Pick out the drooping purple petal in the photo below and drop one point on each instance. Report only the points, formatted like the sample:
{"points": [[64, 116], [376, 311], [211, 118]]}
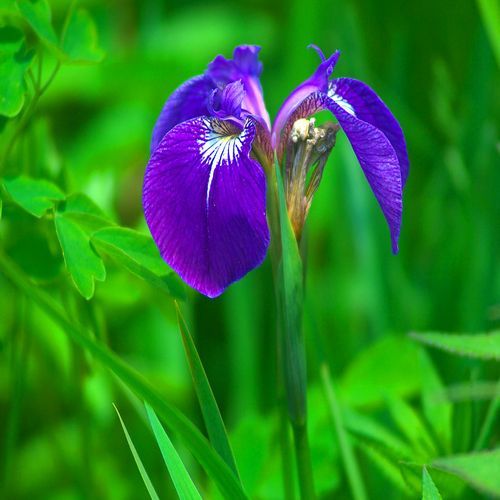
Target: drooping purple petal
{"points": [[318, 82], [187, 101], [244, 66], [204, 201], [373, 149], [356, 97]]}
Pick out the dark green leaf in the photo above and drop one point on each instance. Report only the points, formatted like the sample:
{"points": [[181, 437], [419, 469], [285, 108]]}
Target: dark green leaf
{"points": [[80, 258], [138, 253], [481, 345], [80, 42], [480, 470], [14, 61], [36, 196], [192, 438], [208, 404], [429, 490], [180, 477], [138, 461]]}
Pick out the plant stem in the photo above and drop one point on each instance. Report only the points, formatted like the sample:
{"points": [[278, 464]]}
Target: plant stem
{"points": [[488, 423], [304, 466], [350, 464]]}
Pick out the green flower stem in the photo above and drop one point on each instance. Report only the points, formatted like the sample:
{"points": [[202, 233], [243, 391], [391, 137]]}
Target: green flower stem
{"points": [[288, 280]]}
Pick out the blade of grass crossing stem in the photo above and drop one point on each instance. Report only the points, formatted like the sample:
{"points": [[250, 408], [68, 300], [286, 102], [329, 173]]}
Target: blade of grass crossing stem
{"points": [[176, 421], [180, 477], [211, 414], [138, 461]]}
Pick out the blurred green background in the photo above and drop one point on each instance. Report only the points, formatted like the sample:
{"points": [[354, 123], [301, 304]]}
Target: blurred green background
{"points": [[433, 63]]}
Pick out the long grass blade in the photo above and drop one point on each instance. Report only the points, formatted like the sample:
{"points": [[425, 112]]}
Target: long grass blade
{"points": [[180, 477], [138, 461], [211, 414], [175, 420]]}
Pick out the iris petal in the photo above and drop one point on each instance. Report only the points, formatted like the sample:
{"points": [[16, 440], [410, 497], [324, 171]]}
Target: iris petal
{"points": [[204, 201], [188, 101], [357, 98]]}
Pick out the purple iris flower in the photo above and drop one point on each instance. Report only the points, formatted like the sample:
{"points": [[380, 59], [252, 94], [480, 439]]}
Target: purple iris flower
{"points": [[205, 186]]}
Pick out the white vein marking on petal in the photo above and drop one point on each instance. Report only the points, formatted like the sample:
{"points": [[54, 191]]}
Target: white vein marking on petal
{"points": [[345, 105], [218, 146]]}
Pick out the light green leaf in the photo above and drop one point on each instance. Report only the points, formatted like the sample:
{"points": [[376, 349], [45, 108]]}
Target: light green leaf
{"points": [[211, 414], [82, 262], [177, 422], [410, 424], [138, 461], [82, 210], [14, 61], [138, 253], [80, 42], [38, 15], [180, 477], [481, 345], [437, 409], [429, 489], [490, 14], [479, 470], [8, 7], [376, 372], [36, 196]]}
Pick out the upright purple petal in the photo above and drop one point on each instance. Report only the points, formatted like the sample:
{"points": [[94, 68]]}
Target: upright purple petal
{"points": [[318, 82], [188, 101], [244, 66], [356, 97], [205, 203], [227, 102]]}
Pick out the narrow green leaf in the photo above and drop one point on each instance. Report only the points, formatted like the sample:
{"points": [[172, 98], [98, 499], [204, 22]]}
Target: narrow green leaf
{"points": [[490, 14], [481, 345], [36, 196], [411, 425], [176, 421], [138, 461], [211, 414], [138, 253], [429, 489], [14, 62], [80, 42], [180, 477], [479, 470], [291, 304], [38, 15], [436, 406]]}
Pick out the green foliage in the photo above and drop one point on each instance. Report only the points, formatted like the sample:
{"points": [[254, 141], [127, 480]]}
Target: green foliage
{"points": [[182, 481], [87, 310], [429, 489], [482, 346], [138, 461]]}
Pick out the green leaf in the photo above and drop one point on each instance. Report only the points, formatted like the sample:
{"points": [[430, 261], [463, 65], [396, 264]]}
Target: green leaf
{"points": [[138, 461], [180, 477], [211, 414], [82, 262], [490, 14], [410, 424], [38, 15], [82, 210], [177, 422], [436, 406], [376, 372], [80, 42], [481, 345], [8, 7], [479, 470], [429, 489], [138, 253], [36, 196], [14, 62]]}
